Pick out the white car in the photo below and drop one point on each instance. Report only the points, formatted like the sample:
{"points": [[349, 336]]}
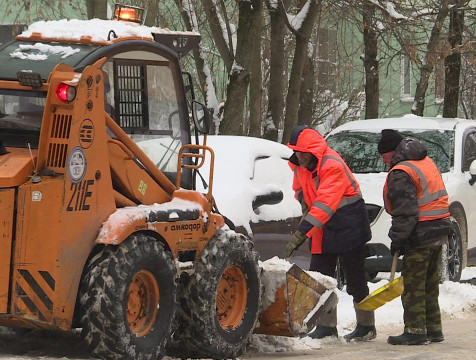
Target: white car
{"points": [[451, 144], [252, 187]]}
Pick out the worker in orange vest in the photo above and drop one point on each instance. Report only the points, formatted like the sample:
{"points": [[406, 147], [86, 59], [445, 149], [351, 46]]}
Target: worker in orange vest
{"points": [[416, 198], [336, 221]]}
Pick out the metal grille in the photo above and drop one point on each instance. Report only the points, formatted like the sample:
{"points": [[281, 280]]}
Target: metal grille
{"points": [[58, 143], [131, 96]]}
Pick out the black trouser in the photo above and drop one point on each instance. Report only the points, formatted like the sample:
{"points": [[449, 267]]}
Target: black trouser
{"points": [[353, 264]]}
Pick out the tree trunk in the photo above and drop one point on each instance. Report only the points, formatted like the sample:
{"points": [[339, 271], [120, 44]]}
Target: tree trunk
{"points": [[237, 89], [256, 77], [371, 64], [276, 88], [429, 60], [302, 40], [224, 47], [453, 64], [200, 65], [152, 13], [96, 9], [307, 93]]}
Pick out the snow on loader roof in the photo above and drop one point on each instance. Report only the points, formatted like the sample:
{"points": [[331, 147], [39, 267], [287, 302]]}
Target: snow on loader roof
{"points": [[95, 30]]}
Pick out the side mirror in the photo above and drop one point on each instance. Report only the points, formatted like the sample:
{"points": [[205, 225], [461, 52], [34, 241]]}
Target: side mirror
{"points": [[472, 171], [201, 117], [188, 84], [271, 198]]}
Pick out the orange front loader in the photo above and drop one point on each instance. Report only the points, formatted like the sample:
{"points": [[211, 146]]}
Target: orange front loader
{"points": [[100, 226]]}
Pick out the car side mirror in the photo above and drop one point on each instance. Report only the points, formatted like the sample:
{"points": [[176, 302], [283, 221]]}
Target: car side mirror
{"points": [[201, 117], [472, 171], [271, 198]]}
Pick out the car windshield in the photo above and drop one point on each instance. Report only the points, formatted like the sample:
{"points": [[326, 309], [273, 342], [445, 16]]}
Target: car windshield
{"points": [[359, 148], [21, 113]]}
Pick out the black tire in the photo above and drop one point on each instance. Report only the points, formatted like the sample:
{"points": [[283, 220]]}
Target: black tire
{"points": [[451, 264], [201, 332], [118, 298]]}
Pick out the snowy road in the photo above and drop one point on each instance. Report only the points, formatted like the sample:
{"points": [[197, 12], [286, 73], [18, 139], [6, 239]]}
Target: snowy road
{"points": [[457, 302], [459, 344]]}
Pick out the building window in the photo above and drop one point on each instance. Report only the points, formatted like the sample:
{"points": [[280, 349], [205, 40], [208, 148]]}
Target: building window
{"points": [[406, 76], [440, 80], [439, 70], [327, 59]]}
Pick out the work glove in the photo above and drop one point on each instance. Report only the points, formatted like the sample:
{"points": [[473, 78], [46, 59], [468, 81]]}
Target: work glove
{"points": [[394, 248], [294, 242]]}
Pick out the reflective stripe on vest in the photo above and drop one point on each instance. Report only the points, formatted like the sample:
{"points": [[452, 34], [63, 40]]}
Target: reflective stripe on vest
{"points": [[345, 201], [431, 205], [352, 199]]}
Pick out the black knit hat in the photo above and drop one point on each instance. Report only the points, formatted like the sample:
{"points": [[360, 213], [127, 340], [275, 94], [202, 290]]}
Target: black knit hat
{"points": [[389, 141], [295, 133]]}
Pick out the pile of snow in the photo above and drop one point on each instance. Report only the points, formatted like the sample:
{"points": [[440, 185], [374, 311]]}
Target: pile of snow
{"points": [[273, 277], [456, 300]]}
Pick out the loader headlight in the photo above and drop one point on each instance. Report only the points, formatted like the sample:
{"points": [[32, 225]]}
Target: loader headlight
{"points": [[65, 92]]}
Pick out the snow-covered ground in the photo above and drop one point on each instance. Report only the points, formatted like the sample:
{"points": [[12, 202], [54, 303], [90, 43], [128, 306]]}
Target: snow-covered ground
{"points": [[456, 299]]}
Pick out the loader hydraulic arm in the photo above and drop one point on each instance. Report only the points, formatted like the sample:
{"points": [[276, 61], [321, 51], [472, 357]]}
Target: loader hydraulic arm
{"points": [[158, 176]]}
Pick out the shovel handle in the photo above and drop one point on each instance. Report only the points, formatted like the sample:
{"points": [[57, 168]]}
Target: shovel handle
{"points": [[394, 265]]}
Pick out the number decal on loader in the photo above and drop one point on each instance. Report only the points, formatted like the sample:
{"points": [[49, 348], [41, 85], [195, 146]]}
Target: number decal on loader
{"points": [[80, 195]]}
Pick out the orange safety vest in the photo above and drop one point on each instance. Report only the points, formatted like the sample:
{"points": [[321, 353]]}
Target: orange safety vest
{"points": [[432, 197], [321, 212]]}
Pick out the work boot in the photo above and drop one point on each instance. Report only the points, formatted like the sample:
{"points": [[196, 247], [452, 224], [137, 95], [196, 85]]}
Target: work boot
{"points": [[435, 336], [408, 339], [362, 333], [323, 331], [326, 325], [365, 329]]}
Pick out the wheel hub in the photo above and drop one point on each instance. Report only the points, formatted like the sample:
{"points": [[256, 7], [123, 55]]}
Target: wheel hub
{"points": [[231, 298], [142, 302]]}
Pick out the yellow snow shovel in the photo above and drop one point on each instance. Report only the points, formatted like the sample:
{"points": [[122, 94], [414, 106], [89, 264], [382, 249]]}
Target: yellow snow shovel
{"points": [[386, 293]]}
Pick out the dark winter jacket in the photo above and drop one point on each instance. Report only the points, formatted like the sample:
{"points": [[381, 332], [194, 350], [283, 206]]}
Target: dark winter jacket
{"points": [[337, 220], [406, 231]]}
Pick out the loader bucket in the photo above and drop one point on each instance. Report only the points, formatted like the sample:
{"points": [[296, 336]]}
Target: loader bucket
{"points": [[293, 301]]}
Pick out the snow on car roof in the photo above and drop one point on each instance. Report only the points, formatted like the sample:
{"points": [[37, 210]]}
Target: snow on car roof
{"points": [[97, 29], [405, 122], [246, 167]]}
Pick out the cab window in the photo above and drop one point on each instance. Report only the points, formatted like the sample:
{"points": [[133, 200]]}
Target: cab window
{"points": [[143, 97]]}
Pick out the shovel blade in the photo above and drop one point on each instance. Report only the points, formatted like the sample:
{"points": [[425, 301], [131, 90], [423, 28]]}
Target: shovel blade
{"points": [[299, 300], [382, 295]]}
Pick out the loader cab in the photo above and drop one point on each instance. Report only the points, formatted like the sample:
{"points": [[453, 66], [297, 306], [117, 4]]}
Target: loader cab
{"points": [[144, 94], [143, 87]]}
